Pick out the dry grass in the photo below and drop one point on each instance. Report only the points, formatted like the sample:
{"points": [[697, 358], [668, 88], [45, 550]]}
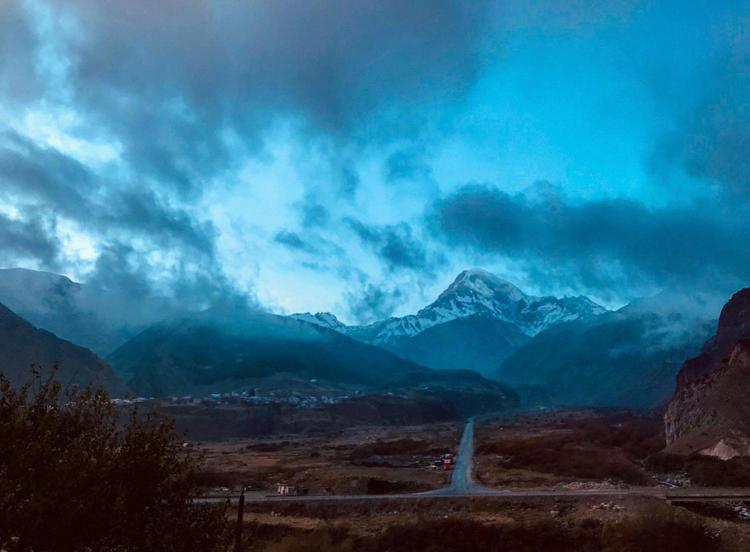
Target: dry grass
{"points": [[354, 461], [568, 446]]}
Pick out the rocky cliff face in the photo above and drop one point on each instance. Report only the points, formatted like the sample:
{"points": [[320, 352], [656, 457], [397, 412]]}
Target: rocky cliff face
{"points": [[709, 412], [734, 324]]}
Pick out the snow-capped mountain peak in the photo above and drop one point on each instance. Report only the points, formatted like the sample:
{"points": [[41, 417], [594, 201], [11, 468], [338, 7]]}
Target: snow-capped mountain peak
{"points": [[324, 319], [479, 292], [473, 292], [483, 283]]}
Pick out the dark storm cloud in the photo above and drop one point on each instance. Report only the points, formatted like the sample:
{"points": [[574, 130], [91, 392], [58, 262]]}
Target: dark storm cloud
{"points": [[67, 188], [595, 243], [46, 186], [313, 214], [394, 244], [123, 282], [141, 211], [373, 303], [711, 137], [293, 240], [186, 89], [406, 164], [27, 240], [17, 38], [179, 84], [44, 174]]}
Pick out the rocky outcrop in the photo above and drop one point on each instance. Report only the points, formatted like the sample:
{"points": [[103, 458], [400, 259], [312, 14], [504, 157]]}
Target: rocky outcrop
{"points": [[734, 324], [710, 411]]}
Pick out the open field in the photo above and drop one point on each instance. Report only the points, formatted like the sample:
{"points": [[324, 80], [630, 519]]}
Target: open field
{"points": [[362, 460], [575, 480], [568, 449]]}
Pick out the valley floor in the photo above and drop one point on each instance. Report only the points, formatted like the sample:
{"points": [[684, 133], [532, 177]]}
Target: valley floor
{"points": [[608, 452]]}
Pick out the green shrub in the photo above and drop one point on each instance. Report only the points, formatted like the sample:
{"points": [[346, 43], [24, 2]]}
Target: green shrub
{"points": [[72, 478]]}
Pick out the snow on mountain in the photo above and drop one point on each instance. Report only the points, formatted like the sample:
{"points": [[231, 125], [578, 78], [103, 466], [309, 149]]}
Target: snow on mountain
{"points": [[324, 319], [478, 292]]}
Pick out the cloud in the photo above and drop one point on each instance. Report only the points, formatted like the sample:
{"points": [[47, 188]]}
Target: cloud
{"points": [[124, 285], [60, 184], [28, 239], [181, 85], [373, 303], [394, 244], [710, 139], [157, 257], [185, 93], [406, 164], [292, 240], [604, 244], [17, 39], [313, 214]]}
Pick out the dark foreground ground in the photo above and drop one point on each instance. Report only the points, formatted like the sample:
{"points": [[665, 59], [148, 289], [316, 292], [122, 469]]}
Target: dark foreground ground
{"points": [[490, 523], [546, 451]]}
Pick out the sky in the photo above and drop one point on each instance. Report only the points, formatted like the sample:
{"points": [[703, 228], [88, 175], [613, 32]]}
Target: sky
{"points": [[353, 156]]}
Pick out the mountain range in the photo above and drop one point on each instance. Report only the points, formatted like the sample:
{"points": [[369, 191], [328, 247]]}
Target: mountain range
{"points": [[628, 357], [218, 351], [475, 323], [569, 351], [473, 292]]}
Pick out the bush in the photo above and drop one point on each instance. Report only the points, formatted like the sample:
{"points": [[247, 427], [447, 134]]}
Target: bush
{"points": [[664, 462], [661, 529], [72, 478], [713, 472], [566, 455]]}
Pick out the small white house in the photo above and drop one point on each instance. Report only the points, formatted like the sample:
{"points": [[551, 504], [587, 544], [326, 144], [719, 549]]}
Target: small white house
{"points": [[284, 489]]}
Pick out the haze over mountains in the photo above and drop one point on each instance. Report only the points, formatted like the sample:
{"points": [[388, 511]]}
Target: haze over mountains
{"points": [[569, 350], [629, 357], [218, 351], [100, 319], [22, 345]]}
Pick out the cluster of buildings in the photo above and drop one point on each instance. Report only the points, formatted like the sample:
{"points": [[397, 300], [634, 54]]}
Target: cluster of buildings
{"points": [[250, 397]]}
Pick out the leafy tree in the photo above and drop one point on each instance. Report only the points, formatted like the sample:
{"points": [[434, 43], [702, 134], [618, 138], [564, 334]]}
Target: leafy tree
{"points": [[74, 476]]}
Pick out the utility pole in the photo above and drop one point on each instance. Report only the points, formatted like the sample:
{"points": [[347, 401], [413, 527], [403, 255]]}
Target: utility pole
{"points": [[240, 515]]}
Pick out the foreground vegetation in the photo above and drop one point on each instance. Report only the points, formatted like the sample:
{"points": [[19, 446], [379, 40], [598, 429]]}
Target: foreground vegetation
{"points": [[75, 477], [657, 529]]}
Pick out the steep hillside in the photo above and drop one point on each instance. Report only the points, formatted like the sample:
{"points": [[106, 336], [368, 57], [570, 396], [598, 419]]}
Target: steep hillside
{"points": [[710, 412], [92, 318], [22, 345], [625, 358], [222, 351], [477, 342]]}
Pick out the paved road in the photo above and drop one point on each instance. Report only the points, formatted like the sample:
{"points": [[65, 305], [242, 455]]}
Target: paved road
{"points": [[462, 483], [463, 486], [461, 480]]}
